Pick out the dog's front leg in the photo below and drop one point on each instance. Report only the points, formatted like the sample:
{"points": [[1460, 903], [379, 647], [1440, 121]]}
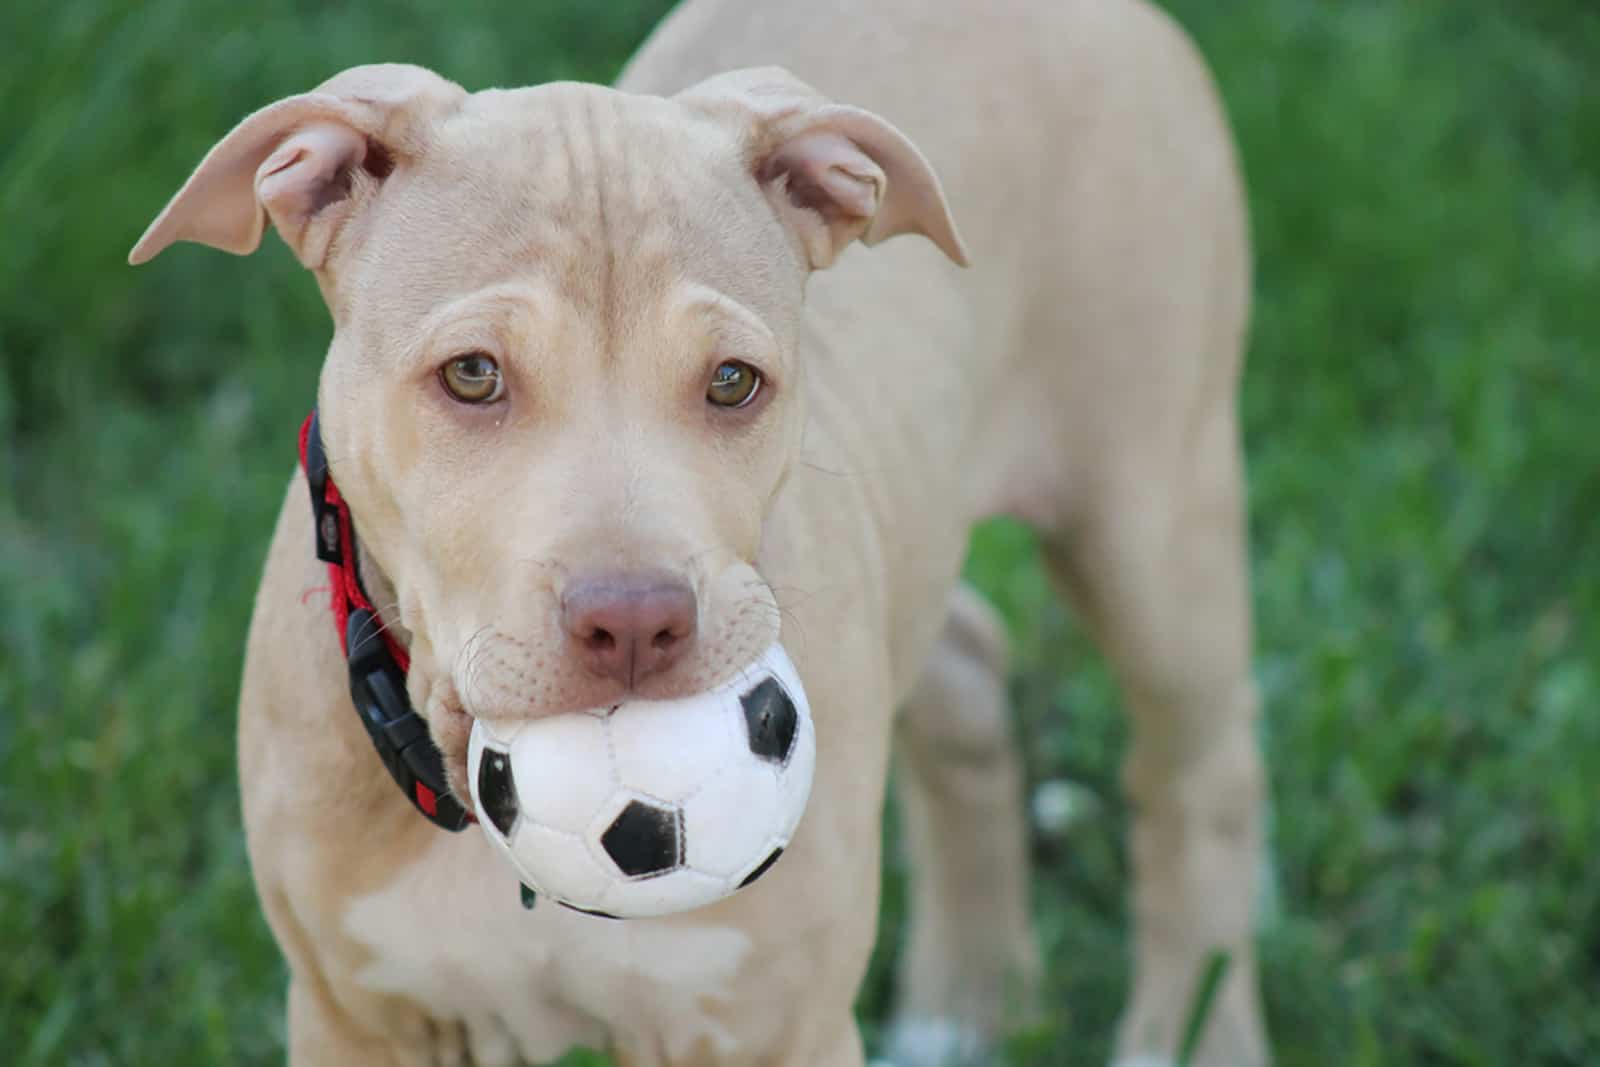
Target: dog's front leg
{"points": [[322, 1034]]}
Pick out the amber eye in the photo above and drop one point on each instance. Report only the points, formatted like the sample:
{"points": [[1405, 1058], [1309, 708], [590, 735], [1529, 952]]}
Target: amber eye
{"points": [[473, 378], [733, 384]]}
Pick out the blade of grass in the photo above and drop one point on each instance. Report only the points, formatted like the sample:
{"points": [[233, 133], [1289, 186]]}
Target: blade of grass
{"points": [[1205, 995]]}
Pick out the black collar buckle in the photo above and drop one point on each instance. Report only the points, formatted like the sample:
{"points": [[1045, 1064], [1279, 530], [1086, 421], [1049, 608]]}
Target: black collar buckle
{"points": [[378, 689]]}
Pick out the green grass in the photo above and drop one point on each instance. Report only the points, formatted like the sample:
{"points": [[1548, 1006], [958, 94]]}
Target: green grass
{"points": [[1423, 419]]}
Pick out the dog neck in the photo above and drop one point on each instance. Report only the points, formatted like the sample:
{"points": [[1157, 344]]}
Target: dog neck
{"points": [[378, 660]]}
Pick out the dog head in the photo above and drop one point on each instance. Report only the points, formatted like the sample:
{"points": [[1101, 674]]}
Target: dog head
{"points": [[563, 388]]}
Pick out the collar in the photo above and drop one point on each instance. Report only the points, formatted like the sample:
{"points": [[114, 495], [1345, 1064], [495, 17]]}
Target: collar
{"points": [[378, 662]]}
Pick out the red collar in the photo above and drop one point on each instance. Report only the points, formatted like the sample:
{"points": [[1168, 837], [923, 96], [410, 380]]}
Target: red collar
{"points": [[378, 662]]}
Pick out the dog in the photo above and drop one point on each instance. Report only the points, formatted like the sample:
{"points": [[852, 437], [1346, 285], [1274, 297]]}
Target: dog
{"points": [[623, 387]]}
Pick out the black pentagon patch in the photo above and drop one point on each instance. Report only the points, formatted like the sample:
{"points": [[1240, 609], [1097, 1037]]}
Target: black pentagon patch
{"points": [[645, 840], [497, 793], [766, 865], [770, 721]]}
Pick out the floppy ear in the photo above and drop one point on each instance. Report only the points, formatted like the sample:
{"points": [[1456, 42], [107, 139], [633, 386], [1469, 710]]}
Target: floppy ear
{"points": [[833, 173], [305, 162]]}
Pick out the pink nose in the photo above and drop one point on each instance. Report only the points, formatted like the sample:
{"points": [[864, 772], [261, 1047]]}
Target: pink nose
{"points": [[628, 626]]}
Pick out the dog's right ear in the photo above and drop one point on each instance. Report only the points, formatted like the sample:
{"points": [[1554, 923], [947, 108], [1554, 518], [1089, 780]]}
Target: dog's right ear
{"points": [[306, 162]]}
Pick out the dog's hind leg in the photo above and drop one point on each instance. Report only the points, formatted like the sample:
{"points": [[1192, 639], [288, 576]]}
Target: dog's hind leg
{"points": [[969, 962], [1155, 564]]}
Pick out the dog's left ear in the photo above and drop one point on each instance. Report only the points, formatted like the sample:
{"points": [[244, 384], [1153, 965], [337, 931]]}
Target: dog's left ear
{"points": [[834, 174]]}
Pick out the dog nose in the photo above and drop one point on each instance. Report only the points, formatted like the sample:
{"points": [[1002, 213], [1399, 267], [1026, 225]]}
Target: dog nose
{"points": [[628, 626]]}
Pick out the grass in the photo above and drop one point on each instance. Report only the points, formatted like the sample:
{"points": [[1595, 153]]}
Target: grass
{"points": [[1421, 419]]}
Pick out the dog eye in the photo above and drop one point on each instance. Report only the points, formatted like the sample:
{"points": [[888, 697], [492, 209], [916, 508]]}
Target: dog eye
{"points": [[473, 378], [733, 384]]}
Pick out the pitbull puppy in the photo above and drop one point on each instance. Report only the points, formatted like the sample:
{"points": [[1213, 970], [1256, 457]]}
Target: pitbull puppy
{"points": [[616, 398]]}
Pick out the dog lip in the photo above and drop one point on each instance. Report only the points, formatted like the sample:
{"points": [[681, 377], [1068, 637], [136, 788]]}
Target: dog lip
{"points": [[601, 700]]}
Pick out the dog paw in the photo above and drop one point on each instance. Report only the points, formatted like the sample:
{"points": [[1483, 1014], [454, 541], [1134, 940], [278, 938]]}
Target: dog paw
{"points": [[935, 1042]]}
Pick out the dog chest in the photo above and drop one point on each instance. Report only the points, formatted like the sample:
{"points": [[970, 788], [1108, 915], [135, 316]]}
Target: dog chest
{"points": [[450, 934]]}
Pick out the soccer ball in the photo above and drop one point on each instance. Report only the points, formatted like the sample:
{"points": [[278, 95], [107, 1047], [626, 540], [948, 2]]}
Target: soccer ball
{"points": [[650, 807]]}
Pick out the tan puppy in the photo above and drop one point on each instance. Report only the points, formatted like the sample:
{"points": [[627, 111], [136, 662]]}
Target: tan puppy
{"points": [[533, 293]]}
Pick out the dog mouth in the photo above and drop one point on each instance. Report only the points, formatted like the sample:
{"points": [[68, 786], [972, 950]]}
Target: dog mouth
{"points": [[509, 670], [451, 717]]}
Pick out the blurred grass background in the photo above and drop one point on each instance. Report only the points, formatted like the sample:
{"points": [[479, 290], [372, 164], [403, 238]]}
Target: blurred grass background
{"points": [[1421, 403]]}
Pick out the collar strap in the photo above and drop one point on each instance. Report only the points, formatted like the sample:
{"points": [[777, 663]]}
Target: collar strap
{"points": [[378, 662]]}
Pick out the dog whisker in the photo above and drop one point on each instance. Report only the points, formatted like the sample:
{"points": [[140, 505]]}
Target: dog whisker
{"points": [[383, 626], [467, 660], [820, 469]]}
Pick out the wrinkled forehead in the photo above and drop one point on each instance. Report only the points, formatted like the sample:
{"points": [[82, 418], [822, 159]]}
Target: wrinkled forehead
{"points": [[606, 198]]}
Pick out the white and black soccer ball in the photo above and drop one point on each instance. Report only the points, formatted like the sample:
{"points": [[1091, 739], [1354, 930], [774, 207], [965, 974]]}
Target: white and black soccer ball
{"points": [[650, 807]]}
